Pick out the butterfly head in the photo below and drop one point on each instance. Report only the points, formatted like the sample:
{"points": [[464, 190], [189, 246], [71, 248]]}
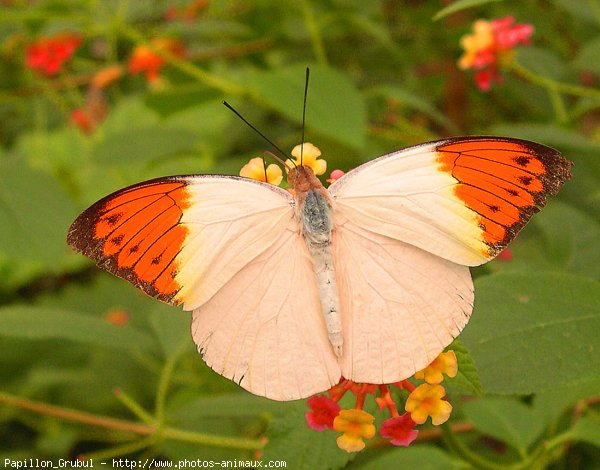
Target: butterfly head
{"points": [[303, 179]]}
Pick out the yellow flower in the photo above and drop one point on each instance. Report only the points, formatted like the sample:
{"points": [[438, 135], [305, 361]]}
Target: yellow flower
{"points": [[426, 400], [255, 169], [309, 158], [481, 39], [445, 363], [356, 425]]}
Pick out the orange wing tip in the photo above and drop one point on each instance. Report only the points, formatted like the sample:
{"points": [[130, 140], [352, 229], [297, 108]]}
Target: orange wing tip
{"points": [[136, 234], [504, 181]]}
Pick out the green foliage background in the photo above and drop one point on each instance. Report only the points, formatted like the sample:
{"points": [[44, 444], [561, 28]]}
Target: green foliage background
{"points": [[384, 76]]}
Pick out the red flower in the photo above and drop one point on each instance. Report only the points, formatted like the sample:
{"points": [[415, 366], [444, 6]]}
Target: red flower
{"points": [[335, 175], [47, 55], [324, 411], [505, 255], [491, 46], [93, 111], [80, 118], [400, 429]]}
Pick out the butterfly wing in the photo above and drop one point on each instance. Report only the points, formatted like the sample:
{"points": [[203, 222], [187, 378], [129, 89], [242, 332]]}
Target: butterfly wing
{"points": [[180, 239], [230, 249], [463, 199], [401, 306], [407, 226], [264, 329]]}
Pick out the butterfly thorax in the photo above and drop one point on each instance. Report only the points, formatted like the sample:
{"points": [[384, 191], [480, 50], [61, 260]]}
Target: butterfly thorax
{"points": [[314, 207]]}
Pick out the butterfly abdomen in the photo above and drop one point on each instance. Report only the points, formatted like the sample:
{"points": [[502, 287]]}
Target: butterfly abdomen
{"points": [[316, 226]]}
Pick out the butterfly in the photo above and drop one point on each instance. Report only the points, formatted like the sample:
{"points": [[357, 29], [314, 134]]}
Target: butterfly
{"points": [[367, 279]]}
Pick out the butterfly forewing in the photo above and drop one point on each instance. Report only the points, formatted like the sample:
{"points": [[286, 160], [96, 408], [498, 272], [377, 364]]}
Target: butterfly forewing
{"points": [[463, 199], [136, 234], [180, 239]]}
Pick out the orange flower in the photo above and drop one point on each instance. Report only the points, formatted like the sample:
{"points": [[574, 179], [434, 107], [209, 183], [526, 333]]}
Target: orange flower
{"points": [[310, 154], [106, 76], [445, 363], [117, 317], [255, 169], [427, 400], [47, 55], [355, 425], [145, 58]]}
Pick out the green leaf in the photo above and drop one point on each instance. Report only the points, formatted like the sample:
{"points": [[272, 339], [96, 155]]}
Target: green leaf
{"points": [[43, 323], [423, 457], [143, 144], [303, 447], [560, 237], [467, 380], [571, 237], [584, 11], [534, 331], [459, 5], [553, 403], [587, 429], [231, 405], [172, 328], [414, 101], [181, 98], [505, 419], [543, 62], [548, 135], [587, 58], [35, 214], [334, 107]]}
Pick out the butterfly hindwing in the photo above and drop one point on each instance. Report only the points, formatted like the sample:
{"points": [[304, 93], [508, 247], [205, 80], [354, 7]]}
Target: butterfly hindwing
{"points": [[401, 305], [264, 329]]}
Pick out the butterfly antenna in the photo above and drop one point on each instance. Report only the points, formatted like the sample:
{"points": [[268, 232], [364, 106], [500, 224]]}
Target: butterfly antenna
{"points": [[269, 141], [304, 113]]}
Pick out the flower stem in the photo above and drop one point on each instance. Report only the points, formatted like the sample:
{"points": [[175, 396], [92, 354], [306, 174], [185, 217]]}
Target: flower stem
{"points": [[163, 387], [82, 417], [134, 407], [549, 83], [457, 446]]}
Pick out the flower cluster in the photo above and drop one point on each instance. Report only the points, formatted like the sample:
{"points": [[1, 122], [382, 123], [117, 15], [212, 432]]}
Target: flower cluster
{"points": [[47, 55], [419, 401], [491, 47], [423, 401], [257, 169]]}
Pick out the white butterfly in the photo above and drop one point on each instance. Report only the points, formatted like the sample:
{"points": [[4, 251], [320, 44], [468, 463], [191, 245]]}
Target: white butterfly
{"points": [[367, 279]]}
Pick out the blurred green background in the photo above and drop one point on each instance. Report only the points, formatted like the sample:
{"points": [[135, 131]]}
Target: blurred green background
{"points": [[79, 347]]}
